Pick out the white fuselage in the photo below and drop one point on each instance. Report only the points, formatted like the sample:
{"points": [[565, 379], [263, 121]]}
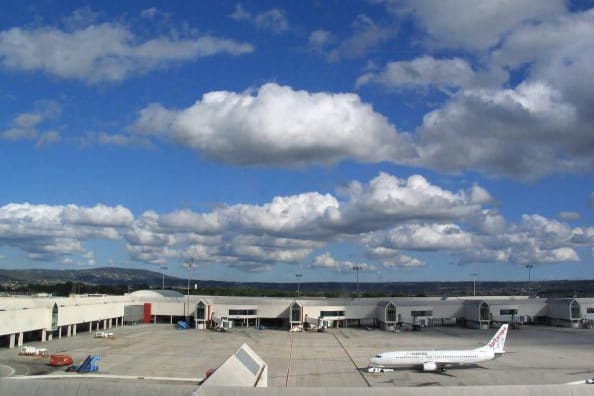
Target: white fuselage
{"points": [[440, 358]]}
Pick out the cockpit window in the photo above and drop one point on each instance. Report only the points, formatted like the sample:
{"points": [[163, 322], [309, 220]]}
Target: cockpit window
{"points": [[378, 356]]}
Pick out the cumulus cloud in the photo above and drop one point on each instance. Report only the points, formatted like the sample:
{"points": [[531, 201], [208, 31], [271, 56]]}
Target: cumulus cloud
{"points": [[46, 232], [569, 216], [422, 72], [327, 261], [366, 36], [47, 138], [393, 258], [386, 217], [471, 25], [273, 20], [319, 40], [521, 132], [421, 237], [279, 126], [514, 106], [99, 215], [387, 200], [103, 52], [113, 139], [288, 229], [29, 126]]}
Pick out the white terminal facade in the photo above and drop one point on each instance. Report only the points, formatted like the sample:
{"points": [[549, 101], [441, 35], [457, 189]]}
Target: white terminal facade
{"points": [[43, 318]]}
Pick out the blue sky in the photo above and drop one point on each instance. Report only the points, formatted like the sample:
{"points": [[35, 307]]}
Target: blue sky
{"points": [[416, 140]]}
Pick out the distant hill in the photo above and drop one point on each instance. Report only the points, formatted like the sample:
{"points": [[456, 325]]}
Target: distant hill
{"points": [[136, 277], [96, 276]]}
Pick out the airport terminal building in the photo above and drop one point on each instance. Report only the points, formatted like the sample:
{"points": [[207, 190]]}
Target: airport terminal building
{"points": [[43, 318]]}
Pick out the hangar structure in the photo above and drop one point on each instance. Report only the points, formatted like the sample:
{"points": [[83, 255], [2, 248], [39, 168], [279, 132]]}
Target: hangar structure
{"points": [[42, 318]]}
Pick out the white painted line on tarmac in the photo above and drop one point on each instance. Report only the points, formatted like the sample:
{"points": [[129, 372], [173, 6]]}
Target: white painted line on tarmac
{"points": [[582, 382], [11, 371], [110, 376]]}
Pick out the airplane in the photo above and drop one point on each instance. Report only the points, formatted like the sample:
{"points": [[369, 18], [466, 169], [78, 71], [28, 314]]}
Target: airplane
{"points": [[439, 360]]}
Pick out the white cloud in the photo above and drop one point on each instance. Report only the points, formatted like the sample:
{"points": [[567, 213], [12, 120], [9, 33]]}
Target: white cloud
{"points": [[388, 217], [279, 126], [28, 126], [422, 72], [478, 195], [98, 216], [525, 130], [488, 222], [393, 258], [46, 232], [366, 37], [103, 52], [299, 215], [273, 20], [113, 139], [24, 126], [150, 13], [327, 261], [387, 201], [47, 138], [319, 40], [421, 237], [240, 14], [569, 216], [522, 132], [475, 25]]}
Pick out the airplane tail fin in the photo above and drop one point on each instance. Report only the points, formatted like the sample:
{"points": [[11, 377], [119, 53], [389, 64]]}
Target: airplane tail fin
{"points": [[498, 341]]}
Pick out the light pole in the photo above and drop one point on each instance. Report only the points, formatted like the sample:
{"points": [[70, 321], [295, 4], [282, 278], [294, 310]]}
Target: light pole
{"points": [[298, 284], [529, 266], [189, 264], [356, 268], [474, 275], [163, 268]]}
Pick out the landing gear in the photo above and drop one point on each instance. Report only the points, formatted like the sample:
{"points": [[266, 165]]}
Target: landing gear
{"points": [[442, 369]]}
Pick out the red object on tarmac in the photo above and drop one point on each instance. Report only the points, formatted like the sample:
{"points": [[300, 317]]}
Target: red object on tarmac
{"points": [[209, 372], [147, 313], [60, 360]]}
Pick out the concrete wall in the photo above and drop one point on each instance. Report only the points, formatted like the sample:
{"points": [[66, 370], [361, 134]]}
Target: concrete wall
{"points": [[72, 314], [23, 320]]}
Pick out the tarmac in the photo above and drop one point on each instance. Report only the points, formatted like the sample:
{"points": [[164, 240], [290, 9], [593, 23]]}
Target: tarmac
{"points": [[335, 358]]}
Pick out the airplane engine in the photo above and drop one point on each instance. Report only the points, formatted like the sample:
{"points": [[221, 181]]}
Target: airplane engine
{"points": [[429, 366]]}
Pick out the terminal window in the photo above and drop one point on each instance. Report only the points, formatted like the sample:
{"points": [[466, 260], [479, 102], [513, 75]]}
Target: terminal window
{"points": [[325, 314], [575, 310], [421, 313], [508, 312], [242, 312], [200, 311], [590, 310], [391, 313], [295, 313]]}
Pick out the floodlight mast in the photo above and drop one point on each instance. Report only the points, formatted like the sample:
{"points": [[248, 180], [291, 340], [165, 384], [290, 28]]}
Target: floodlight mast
{"points": [[529, 266], [474, 275], [298, 284], [356, 268], [163, 268], [190, 265]]}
